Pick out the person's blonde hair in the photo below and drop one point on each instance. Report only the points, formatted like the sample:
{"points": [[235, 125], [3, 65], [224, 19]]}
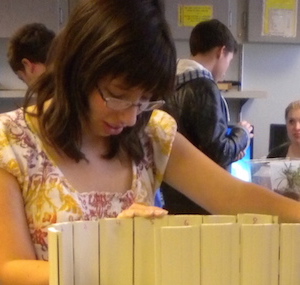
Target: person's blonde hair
{"points": [[292, 106]]}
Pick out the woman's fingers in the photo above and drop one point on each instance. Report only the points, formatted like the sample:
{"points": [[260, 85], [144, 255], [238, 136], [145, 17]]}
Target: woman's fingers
{"points": [[141, 210]]}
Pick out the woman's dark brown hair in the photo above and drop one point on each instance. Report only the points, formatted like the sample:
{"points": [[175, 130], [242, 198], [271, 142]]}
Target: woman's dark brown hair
{"points": [[114, 38]]}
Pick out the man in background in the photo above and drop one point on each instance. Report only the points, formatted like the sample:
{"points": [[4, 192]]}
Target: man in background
{"points": [[28, 49], [199, 108]]}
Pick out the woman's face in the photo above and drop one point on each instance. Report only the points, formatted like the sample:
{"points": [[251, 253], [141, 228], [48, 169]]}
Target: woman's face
{"points": [[293, 126], [105, 120]]}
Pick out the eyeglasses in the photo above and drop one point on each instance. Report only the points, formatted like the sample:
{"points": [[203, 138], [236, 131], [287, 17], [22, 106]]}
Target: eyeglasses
{"points": [[120, 104]]}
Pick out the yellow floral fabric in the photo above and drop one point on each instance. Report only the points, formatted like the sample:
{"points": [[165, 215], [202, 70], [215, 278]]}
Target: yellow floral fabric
{"points": [[49, 198]]}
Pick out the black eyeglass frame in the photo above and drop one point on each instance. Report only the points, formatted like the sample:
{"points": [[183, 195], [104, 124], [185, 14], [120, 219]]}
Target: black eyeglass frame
{"points": [[120, 104]]}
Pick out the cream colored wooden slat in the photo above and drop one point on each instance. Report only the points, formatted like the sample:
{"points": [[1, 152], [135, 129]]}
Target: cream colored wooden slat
{"points": [[146, 249], [53, 236], [180, 255], [219, 253], [86, 252], [259, 254], [116, 251], [289, 271]]}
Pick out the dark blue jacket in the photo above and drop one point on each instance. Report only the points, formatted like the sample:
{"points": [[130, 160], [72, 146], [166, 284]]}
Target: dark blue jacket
{"points": [[202, 117]]}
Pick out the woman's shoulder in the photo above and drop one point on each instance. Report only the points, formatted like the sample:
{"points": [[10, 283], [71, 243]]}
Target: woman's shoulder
{"points": [[157, 141], [15, 129], [161, 131], [162, 123], [12, 115], [11, 120]]}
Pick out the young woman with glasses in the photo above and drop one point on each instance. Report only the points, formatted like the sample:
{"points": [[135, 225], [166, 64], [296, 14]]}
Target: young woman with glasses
{"points": [[94, 145]]}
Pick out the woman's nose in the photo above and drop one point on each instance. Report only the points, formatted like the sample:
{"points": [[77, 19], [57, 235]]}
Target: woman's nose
{"points": [[128, 116], [297, 125]]}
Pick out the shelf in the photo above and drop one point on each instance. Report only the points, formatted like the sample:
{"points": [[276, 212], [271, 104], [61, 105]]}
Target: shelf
{"points": [[9, 93], [236, 100], [244, 94]]}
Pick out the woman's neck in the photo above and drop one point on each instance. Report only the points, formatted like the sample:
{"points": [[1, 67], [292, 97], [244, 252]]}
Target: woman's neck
{"points": [[294, 151]]}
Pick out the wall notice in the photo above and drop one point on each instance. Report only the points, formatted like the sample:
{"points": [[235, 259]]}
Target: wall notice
{"points": [[280, 18], [191, 15]]}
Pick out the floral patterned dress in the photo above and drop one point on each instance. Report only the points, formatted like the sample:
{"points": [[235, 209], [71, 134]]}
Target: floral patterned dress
{"points": [[48, 196]]}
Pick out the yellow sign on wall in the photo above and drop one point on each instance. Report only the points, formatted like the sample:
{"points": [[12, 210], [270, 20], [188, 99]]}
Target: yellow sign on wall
{"points": [[280, 18], [191, 15]]}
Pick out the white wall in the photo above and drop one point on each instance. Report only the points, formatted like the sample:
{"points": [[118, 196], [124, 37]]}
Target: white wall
{"points": [[276, 69], [9, 80]]}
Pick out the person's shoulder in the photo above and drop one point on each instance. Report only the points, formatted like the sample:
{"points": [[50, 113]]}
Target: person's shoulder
{"points": [[160, 117], [200, 86], [161, 132], [161, 123], [13, 124], [192, 72], [12, 117], [204, 81]]}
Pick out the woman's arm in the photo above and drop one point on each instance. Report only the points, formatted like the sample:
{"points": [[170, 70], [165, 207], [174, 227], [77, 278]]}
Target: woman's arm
{"points": [[18, 264], [215, 189]]}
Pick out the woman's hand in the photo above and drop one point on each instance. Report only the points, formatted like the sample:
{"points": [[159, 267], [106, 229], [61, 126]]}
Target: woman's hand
{"points": [[142, 210]]}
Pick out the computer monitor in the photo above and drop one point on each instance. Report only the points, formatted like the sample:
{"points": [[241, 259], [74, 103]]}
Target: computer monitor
{"points": [[242, 168], [278, 135]]}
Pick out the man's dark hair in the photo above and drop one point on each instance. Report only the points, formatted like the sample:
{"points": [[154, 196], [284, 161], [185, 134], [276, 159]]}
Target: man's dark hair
{"points": [[31, 41], [210, 34]]}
